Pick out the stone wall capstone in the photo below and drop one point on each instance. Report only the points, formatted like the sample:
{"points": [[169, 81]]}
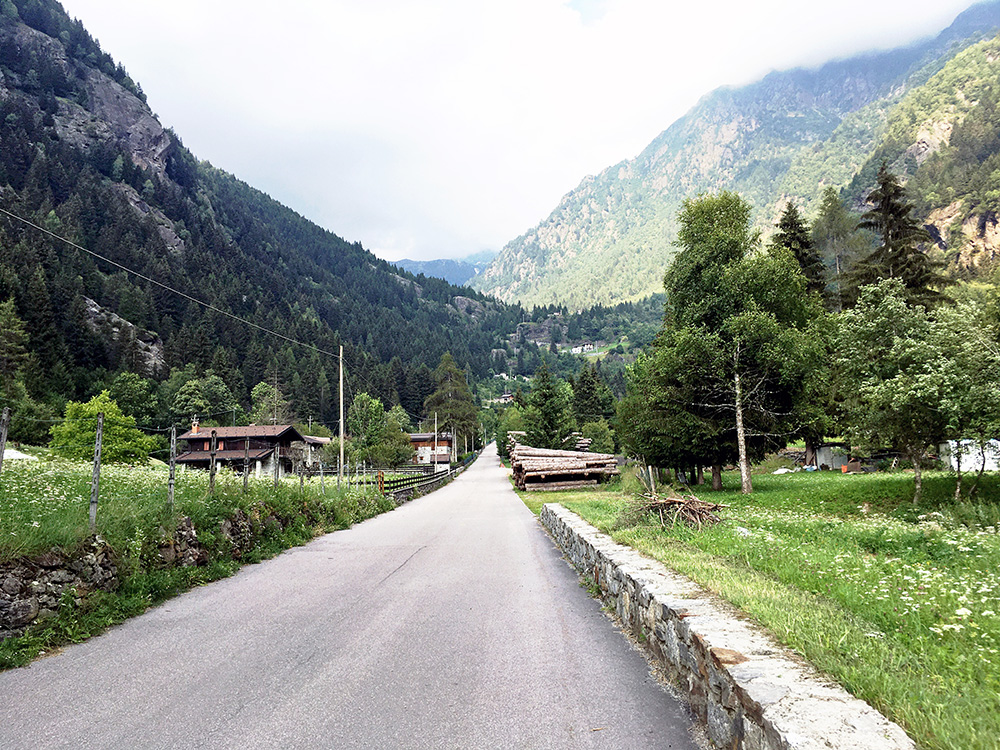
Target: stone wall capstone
{"points": [[749, 691]]}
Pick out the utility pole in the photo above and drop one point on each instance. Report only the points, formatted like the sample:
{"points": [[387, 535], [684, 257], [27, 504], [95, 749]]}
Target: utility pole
{"points": [[434, 455], [340, 464], [95, 481], [173, 467], [4, 422]]}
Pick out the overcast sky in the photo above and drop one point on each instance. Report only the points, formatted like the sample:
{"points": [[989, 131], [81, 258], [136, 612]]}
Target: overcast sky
{"points": [[438, 128]]}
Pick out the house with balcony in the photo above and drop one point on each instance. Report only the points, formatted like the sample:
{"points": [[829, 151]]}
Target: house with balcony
{"points": [[258, 445], [424, 448]]}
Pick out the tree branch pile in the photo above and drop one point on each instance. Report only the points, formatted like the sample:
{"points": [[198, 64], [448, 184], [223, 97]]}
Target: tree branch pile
{"points": [[670, 509]]}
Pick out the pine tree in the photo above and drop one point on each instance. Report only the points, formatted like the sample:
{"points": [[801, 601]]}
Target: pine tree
{"points": [[549, 419], [13, 344], [793, 234], [592, 399], [452, 402], [836, 238], [899, 256]]}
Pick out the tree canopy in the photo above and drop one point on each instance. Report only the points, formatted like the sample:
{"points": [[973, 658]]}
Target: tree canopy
{"points": [[121, 442]]}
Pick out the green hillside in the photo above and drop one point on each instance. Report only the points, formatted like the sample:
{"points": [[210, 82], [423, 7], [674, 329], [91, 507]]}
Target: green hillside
{"points": [[785, 137], [83, 157]]}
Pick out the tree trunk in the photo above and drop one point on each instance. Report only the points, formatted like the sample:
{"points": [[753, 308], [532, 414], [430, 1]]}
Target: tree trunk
{"points": [[982, 467], [741, 441], [810, 453], [701, 475], [918, 484], [716, 477]]}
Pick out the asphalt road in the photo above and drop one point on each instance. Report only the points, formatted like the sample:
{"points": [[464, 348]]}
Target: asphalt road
{"points": [[451, 622]]}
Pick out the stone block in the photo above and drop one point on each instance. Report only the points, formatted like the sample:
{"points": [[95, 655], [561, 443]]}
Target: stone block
{"points": [[720, 725]]}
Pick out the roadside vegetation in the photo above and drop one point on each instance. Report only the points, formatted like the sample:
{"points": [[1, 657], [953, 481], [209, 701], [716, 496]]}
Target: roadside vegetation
{"points": [[899, 603], [44, 505]]}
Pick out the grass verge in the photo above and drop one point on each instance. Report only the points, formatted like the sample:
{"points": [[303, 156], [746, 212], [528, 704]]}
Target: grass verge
{"points": [[897, 603], [44, 505]]}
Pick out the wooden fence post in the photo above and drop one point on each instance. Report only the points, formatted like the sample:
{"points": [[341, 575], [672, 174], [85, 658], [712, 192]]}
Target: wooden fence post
{"points": [[246, 464], [173, 467], [4, 423], [213, 448], [322, 482], [95, 482], [277, 462]]}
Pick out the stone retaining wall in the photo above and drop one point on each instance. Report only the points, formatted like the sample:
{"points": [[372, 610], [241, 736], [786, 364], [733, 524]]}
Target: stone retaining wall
{"points": [[748, 690], [33, 590]]}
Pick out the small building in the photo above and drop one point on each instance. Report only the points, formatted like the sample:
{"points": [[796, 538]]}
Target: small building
{"points": [[314, 449], [423, 448], [971, 454], [260, 445], [833, 455]]}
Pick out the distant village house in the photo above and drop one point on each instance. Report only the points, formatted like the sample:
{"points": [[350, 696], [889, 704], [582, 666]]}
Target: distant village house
{"points": [[424, 446]]}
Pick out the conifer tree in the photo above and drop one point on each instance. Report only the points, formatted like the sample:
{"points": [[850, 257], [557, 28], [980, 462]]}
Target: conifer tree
{"points": [[793, 234], [452, 402], [836, 238], [548, 420], [899, 255]]}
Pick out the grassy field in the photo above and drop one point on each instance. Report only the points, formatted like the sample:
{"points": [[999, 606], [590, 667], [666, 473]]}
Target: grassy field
{"points": [[45, 504], [899, 603]]}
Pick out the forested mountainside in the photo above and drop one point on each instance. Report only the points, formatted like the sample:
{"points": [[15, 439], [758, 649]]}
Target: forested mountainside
{"points": [[928, 109], [82, 156]]}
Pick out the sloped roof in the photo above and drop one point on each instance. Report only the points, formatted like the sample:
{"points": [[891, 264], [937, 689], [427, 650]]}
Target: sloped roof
{"points": [[192, 456], [249, 431], [428, 437]]}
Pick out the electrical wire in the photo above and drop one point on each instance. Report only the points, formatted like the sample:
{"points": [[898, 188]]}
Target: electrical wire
{"points": [[160, 284]]}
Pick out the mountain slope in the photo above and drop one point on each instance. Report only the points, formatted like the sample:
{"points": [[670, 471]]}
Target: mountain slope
{"points": [[787, 136], [83, 156]]}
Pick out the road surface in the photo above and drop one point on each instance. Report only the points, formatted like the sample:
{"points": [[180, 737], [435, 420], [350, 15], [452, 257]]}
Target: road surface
{"points": [[451, 622]]}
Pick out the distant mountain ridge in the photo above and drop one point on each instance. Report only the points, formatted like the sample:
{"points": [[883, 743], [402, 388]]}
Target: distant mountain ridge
{"points": [[785, 137], [458, 271]]}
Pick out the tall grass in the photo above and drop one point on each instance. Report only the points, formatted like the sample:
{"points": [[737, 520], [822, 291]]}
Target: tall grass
{"points": [[899, 603], [45, 505]]}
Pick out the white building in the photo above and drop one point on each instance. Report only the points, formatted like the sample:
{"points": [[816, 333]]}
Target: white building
{"points": [[971, 454]]}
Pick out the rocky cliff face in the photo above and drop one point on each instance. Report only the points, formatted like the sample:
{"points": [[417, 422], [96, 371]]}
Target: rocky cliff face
{"points": [[785, 137]]}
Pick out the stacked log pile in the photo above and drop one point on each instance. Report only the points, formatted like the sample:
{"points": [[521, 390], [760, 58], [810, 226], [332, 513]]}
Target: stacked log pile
{"points": [[540, 469]]}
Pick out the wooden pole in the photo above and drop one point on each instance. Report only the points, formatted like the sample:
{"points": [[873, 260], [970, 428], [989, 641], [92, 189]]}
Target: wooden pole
{"points": [[322, 482], [4, 423], [246, 464], [173, 467], [340, 465], [95, 481], [213, 448], [434, 456], [277, 462]]}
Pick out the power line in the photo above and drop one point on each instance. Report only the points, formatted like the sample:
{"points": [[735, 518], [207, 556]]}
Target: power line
{"points": [[186, 296], [168, 288]]}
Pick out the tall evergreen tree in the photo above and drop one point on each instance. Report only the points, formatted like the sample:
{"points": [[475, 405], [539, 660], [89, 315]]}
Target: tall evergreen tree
{"points": [[899, 255], [793, 235], [592, 399], [452, 402], [549, 418], [836, 238]]}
